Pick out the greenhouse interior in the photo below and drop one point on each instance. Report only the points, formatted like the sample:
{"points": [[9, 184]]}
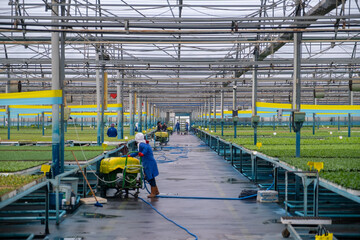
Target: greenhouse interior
{"points": [[180, 119]]}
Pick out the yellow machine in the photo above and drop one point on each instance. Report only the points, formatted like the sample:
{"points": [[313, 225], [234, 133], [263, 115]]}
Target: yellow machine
{"points": [[161, 137], [170, 130], [121, 173]]}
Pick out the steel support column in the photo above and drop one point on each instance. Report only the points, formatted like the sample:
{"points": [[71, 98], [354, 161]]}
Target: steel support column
{"points": [[18, 122], [209, 112], [254, 92], [214, 112], [43, 123], [82, 119], [351, 102], [234, 96], [9, 122], [153, 116], [131, 107], [146, 110], [297, 75], [314, 120], [63, 128], [234, 107], [349, 125], [47, 209], [139, 114], [205, 114], [103, 76], [98, 99], [222, 112], [120, 100], [55, 85]]}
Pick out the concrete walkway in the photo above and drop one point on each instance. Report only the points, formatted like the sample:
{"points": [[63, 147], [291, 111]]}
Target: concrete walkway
{"points": [[187, 168]]}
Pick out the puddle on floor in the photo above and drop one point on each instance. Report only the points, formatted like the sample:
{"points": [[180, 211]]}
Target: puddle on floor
{"points": [[200, 150], [81, 221], [271, 221], [175, 179], [68, 238], [233, 181], [98, 215]]}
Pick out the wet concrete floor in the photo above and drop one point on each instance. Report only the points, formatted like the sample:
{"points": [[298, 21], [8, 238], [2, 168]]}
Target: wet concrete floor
{"points": [[187, 168]]}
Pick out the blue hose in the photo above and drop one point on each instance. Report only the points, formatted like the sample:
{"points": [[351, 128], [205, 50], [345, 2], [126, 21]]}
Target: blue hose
{"points": [[209, 198], [163, 214], [168, 218]]}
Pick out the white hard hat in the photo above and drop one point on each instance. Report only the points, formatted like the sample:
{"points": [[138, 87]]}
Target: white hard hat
{"points": [[139, 137]]}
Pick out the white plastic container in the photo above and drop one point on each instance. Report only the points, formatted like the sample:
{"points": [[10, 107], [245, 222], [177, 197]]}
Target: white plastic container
{"points": [[267, 196]]}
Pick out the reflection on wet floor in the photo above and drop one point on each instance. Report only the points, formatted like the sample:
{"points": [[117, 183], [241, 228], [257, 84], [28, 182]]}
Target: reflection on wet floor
{"points": [[97, 215], [69, 238], [271, 221], [82, 220], [235, 181], [199, 150], [175, 179]]}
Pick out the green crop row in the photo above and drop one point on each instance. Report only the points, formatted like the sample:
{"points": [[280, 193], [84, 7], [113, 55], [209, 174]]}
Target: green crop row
{"points": [[16, 158], [47, 156], [49, 148], [305, 133], [341, 155], [344, 178], [330, 164], [309, 151], [14, 166], [12, 182], [279, 140]]}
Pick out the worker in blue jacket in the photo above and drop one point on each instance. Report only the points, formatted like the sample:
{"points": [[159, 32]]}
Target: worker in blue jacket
{"points": [[149, 164], [177, 127], [112, 132]]}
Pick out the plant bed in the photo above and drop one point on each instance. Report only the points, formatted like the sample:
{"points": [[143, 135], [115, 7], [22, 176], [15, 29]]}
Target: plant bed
{"points": [[15, 166], [12, 185], [17, 158], [341, 155]]}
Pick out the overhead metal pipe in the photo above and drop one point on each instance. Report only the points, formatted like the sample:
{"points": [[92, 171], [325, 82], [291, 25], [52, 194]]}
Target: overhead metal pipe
{"points": [[317, 12]]}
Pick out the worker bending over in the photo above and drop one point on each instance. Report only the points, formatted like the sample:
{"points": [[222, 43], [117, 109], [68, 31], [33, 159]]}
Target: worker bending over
{"points": [[159, 126], [149, 164]]}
